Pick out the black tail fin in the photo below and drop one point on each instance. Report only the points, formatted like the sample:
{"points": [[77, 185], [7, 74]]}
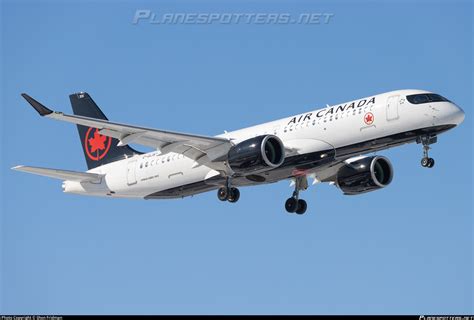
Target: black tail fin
{"points": [[98, 149]]}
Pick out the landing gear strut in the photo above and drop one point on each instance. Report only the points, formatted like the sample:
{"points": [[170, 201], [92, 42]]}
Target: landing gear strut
{"points": [[228, 193], [295, 204], [426, 161]]}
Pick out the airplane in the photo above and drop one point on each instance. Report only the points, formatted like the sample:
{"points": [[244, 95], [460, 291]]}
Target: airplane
{"points": [[326, 145]]}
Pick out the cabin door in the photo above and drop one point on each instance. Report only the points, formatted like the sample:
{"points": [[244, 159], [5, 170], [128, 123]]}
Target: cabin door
{"points": [[392, 108], [131, 177]]}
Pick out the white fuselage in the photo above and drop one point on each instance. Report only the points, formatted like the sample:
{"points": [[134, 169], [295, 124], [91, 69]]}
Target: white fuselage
{"points": [[333, 127]]}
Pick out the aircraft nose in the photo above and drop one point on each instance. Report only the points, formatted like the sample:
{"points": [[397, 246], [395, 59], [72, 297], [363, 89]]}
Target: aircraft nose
{"points": [[458, 114]]}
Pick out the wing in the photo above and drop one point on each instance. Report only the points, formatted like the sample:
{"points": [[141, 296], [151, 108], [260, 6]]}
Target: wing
{"points": [[61, 174], [202, 149]]}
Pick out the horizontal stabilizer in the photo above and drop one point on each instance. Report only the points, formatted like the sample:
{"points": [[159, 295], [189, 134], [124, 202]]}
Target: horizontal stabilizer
{"points": [[61, 174]]}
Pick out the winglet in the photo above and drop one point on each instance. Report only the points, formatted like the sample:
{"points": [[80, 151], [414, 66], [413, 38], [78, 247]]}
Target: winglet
{"points": [[42, 110]]}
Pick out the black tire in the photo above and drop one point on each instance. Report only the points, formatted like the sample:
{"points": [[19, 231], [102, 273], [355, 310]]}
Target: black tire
{"points": [[291, 205], [234, 195], [431, 163], [223, 194], [425, 162], [302, 206]]}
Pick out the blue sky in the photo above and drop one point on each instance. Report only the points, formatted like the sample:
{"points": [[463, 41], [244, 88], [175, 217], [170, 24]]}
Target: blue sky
{"points": [[405, 249]]}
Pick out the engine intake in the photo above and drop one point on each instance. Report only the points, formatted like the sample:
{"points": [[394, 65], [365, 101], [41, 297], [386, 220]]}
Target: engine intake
{"points": [[365, 175], [257, 154]]}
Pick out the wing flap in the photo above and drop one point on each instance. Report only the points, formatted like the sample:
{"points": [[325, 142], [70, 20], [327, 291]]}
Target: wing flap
{"points": [[61, 174]]}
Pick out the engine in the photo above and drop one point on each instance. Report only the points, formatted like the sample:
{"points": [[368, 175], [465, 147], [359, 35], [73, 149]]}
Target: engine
{"points": [[364, 175], [257, 154]]}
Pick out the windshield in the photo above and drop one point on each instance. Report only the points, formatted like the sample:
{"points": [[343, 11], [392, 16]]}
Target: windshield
{"points": [[425, 98]]}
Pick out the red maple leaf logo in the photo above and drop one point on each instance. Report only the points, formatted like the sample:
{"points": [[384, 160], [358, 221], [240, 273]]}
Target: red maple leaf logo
{"points": [[369, 118], [97, 142]]}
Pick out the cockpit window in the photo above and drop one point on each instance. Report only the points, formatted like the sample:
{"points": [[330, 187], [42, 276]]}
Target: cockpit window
{"points": [[425, 98]]}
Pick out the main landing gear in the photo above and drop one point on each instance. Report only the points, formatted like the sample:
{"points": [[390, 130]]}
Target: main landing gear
{"points": [[426, 161], [228, 193], [295, 204]]}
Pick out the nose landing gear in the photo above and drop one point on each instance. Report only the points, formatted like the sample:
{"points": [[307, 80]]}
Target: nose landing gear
{"points": [[295, 204], [426, 161]]}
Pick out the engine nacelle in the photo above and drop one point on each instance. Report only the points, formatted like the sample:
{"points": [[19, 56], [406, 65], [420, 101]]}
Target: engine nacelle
{"points": [[257, 154], [364, 175]]}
